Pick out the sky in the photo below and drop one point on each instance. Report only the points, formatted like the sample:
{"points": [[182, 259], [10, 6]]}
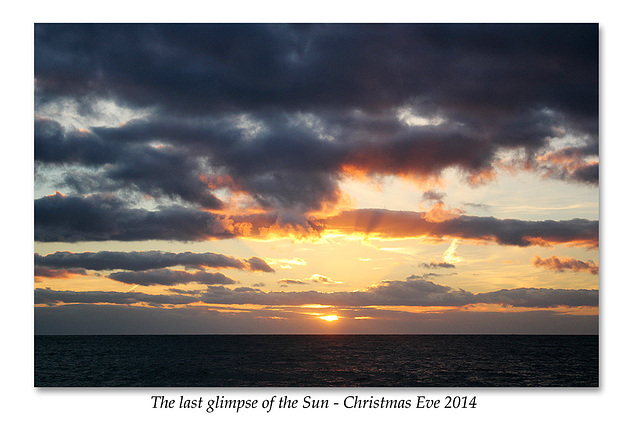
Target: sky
{"points": [[341, 178]]}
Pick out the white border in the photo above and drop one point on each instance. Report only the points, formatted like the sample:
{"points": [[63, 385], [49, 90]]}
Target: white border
{"points": [[619, 153]]}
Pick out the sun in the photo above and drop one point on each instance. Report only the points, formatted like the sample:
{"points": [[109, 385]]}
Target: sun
{"points": [[329, 318]]}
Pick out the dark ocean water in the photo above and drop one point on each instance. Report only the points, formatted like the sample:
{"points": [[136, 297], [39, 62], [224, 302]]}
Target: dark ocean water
{"points": [[316, 361]]}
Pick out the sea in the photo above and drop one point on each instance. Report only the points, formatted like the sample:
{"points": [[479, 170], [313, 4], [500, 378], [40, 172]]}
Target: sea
{"points": [[317, 361]]}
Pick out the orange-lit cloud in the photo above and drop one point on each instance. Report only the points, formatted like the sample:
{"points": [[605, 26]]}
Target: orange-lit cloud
{"points": [[570, 163], [557, 264], [46, 272], [401, 224], [113, 221], [439, 213]]}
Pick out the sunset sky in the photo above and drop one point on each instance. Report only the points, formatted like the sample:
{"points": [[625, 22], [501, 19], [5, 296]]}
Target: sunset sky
{"points": [[316, 179]]}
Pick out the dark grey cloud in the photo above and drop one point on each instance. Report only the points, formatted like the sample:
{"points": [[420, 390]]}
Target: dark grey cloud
{"points": [[512, 232], [165, 171], [209, 68], [198, 158], [589, 173], [425, 152], [48, 296], [320, 99], [434, 265], [259, 264], [146, 260], [524, 233], [576, 164], [53, 144], [185, 292], [476, 205], [415, 291], [540, 298], [169, 277], [105, 217], [433, 195], [75, 218]]}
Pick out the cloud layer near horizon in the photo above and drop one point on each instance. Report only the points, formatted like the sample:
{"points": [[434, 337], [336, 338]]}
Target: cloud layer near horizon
{"points": [[415, 291], [557, 264], [117, 319]]}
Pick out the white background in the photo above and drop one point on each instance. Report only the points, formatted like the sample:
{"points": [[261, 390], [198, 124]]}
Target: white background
{"points": [[619, 231]]}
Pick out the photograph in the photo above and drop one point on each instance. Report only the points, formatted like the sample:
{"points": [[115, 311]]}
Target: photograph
{"points": [[316, 205]]}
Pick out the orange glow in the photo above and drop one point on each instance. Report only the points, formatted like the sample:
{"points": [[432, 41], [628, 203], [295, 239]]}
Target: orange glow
{"points": [[482, 177], [329, 318], [439, 213], [58, 274], [354, 172], [421, 180], [559, 310], [334, 206]]}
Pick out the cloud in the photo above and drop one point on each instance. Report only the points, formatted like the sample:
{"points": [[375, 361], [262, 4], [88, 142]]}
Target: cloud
{"points": [[435, 274], [147, 268], [156, 171], [371, 66], [570, 164], [511, 232], [434, 265], [259, 264], [287, 281], [451, 255], [285, 263], [311, 104], [146, 260], [47, 272], [432, 195], [315, 278], [557, 264], [476, 205], [101, 218], [168, 277], [50, 297], [186, 292], [540, 298], [415, 291], [323, 279]]}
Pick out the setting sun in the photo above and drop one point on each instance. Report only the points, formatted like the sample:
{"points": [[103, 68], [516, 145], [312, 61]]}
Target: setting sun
{"points": [[330, 317]]}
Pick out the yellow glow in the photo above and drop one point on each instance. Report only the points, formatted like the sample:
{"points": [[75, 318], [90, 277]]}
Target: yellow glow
{"points": [[329, 318], [450, 255]]}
